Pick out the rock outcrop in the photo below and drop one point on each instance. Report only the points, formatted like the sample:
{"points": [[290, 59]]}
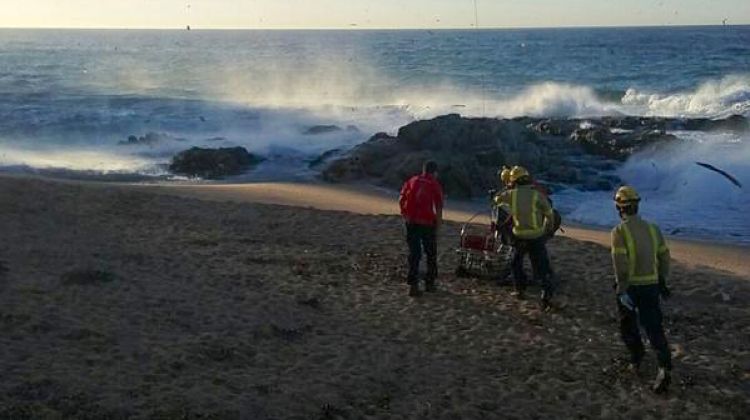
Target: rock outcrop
{"points": [[321, 129], [149, 139], [604, 142], [468, 150], [213, 163], [327, 129], [574, 152]]}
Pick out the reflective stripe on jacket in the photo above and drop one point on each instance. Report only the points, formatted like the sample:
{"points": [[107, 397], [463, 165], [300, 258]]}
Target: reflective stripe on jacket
{"points": [[531, 211], [639, 253]]}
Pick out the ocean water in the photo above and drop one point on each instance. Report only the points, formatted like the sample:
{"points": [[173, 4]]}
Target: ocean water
{"points": [[67, 97]]}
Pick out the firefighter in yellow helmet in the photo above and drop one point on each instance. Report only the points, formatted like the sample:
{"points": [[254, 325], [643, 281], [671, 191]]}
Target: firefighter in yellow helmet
{"points": [[532, 217], [501, 215], [504, 175], [641, 261]]}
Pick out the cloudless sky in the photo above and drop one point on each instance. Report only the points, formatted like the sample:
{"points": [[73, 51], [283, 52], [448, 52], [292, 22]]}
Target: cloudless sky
{"points": [[267, 14]]}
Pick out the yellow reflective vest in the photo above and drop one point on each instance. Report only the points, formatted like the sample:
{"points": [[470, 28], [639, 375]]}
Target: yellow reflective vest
{"points": [[531, 211], [639, 253]]}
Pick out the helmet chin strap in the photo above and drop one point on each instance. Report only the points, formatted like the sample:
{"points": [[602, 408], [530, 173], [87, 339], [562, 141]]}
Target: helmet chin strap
{"points": [[621, 210]]}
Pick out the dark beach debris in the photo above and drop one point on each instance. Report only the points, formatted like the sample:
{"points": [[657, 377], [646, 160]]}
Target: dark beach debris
{"points": [[86, 277], [329, 412], [80, 334], [289, 333], [301, 268], [312, 302], [284, 332], [726, 175], [217, 352], [3, 267]]}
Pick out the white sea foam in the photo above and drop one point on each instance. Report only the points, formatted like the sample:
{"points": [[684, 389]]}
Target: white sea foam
{"points": [[681, 196], [714, 98]]}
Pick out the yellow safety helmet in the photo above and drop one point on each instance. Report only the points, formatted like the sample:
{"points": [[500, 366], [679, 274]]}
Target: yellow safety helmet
{"points": [[505, 175], [626, 195], [518, 172]]}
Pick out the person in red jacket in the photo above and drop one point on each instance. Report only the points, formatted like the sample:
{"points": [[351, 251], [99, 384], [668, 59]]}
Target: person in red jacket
{"points": [[421, 203]]}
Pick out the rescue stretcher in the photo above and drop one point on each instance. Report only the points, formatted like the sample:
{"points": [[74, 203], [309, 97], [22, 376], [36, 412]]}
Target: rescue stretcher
{"points": [[483, 249]]}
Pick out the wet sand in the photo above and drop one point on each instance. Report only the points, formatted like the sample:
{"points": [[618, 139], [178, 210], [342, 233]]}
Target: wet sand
{"points": [[147, 302]]}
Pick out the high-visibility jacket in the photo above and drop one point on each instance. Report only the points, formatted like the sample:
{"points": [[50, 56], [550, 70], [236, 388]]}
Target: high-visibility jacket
{"points": [[531, 211], [639, 253]]}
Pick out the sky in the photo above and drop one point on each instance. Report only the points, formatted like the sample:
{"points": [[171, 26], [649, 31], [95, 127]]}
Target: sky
{"points": [[304, 14]]}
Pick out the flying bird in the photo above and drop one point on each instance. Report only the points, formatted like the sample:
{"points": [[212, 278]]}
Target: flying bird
{"points": [[710, 167]]}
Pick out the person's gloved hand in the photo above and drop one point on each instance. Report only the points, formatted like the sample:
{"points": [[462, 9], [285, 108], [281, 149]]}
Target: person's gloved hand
{"points": [[626, 301], [663, 289]]}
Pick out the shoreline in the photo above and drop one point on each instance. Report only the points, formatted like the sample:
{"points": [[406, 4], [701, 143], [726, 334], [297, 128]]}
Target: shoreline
{"points": [[367, 199], [370, 200]]}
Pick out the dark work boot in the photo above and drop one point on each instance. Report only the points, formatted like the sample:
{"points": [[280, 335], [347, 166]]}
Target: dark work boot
{"points": [[634, 368], [663, 378], [429, 286], [545, 300], [414, 290]]}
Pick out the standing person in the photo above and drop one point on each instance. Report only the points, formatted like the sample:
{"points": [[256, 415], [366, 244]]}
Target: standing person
{"points": [[532, 217], [421, 203], [641, 262], [503, 220]]}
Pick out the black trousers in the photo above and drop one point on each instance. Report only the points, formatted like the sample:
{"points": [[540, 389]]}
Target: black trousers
{"points": [[537, 250], [421, 238], [646, 301]]}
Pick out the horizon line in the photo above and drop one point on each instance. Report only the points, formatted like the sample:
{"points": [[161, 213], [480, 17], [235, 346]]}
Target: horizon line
{"points": [[354, 27]]}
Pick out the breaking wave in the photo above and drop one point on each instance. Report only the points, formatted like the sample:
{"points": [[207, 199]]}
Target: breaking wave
{"points": [[718, 98], [714, 99], [684, 198]]}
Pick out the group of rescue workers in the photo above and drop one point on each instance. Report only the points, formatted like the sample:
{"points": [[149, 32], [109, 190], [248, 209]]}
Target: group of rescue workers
{"points": [[639, 252]]}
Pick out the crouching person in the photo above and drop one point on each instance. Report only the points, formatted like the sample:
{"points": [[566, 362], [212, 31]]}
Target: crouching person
{"points": [[421, 203]]}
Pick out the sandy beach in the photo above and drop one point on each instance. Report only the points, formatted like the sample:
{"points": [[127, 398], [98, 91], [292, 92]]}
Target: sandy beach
{"points": [[287, 301], [366, 199]]}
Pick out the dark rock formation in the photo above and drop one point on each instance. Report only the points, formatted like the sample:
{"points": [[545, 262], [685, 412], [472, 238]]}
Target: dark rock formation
{"points": [[149, 139], [212, 163], [603, 142], [573, 152], [324, 157], [321, 129], [469, 152]]}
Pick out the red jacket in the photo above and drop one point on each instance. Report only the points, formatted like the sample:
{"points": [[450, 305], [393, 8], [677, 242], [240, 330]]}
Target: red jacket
{"points": [[421, 200]]}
